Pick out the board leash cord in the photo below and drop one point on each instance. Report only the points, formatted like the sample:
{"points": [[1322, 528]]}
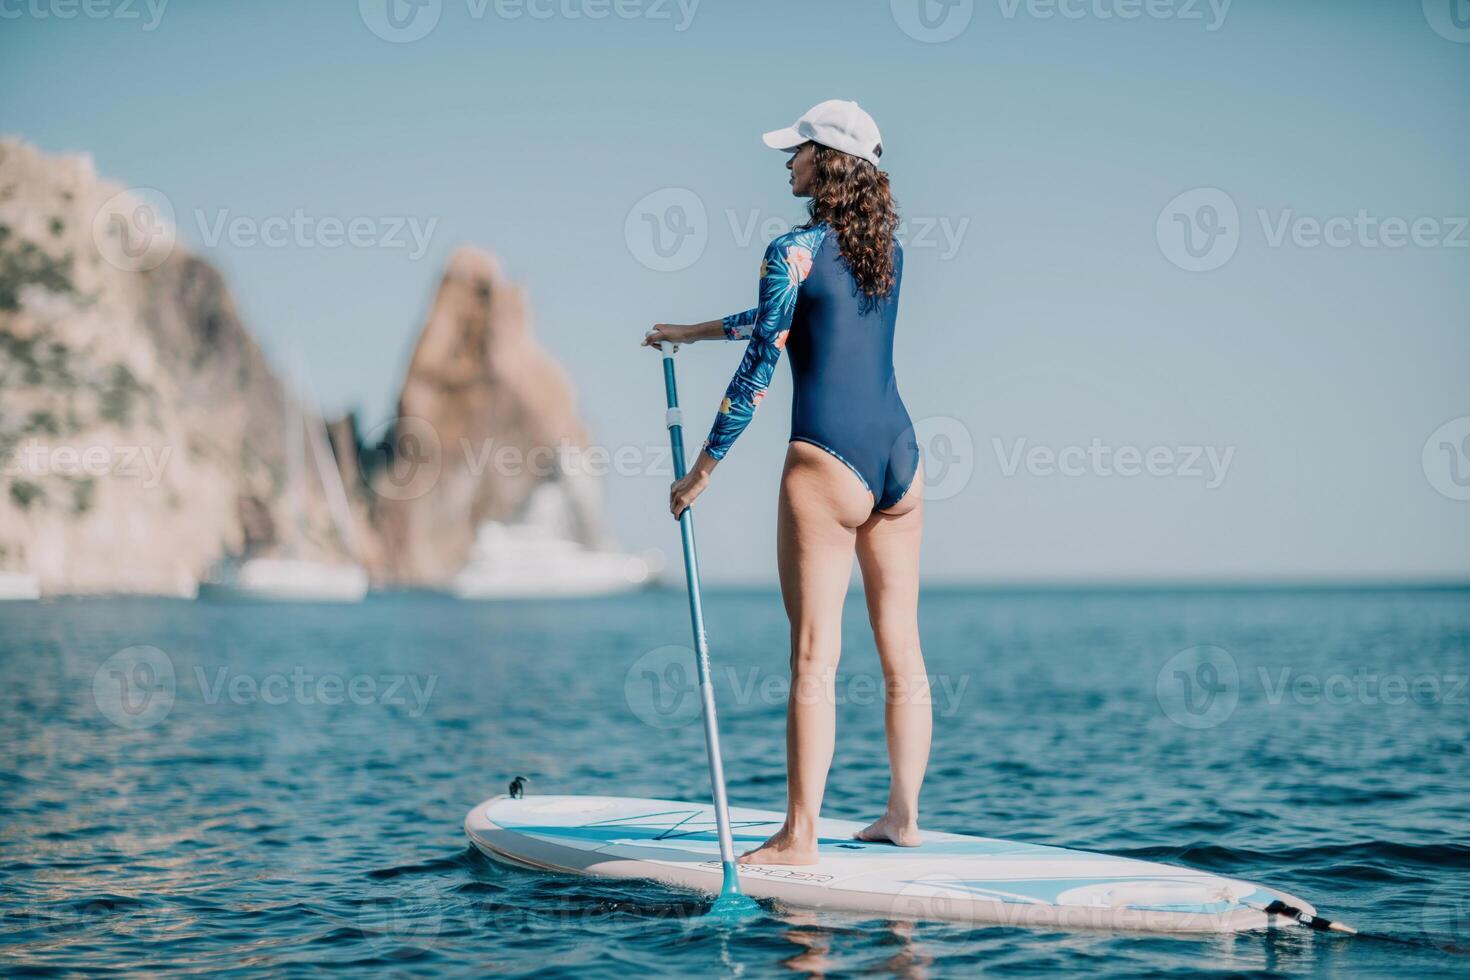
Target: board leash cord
{"points": [[1307, 919]]}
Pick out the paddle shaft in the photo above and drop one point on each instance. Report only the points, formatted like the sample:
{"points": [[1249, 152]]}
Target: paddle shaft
{"points": [[674, 420]]}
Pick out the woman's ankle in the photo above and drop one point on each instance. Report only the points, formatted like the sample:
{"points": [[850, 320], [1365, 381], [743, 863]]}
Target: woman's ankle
{"points": [[905, 815]]}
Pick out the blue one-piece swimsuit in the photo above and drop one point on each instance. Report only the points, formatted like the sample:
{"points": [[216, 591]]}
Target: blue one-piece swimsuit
{"points": [[846, 397]]}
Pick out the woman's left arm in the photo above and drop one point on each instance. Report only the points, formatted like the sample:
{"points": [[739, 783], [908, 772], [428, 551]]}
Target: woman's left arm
{"points": [[787, 262]]}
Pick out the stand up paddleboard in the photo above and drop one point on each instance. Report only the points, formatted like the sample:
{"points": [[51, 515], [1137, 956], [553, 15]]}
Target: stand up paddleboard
{"points": [[974, 880]]}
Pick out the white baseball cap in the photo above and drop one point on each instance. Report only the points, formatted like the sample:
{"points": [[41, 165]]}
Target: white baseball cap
{"points": [[841, 125]]}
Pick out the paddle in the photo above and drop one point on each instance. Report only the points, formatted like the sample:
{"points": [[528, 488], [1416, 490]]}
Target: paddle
{"points": [[732, 903]]}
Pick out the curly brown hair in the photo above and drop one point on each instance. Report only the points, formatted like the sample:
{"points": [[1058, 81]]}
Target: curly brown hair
{"points": [[852, 196]]}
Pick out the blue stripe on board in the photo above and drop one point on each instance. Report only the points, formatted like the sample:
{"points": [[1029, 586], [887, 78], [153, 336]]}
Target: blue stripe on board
{"points": [[612, 830]]}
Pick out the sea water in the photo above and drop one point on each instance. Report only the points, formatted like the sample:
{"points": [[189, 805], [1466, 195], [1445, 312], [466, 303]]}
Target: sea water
{"points": [[189, 787]]}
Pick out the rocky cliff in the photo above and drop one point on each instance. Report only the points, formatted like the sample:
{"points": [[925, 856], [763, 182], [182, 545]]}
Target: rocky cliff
{"points": [[140, 426], [142, 431]]}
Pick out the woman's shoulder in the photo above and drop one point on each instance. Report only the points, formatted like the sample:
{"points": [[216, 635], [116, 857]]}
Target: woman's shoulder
{"points": [[807, 238]]}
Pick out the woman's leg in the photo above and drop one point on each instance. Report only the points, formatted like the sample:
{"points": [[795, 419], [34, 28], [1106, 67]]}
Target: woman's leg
{"points": [[821, 506], [888, 553]]}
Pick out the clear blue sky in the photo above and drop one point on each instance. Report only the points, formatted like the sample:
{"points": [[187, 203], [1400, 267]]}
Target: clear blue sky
{"points": [[1050, 145]]}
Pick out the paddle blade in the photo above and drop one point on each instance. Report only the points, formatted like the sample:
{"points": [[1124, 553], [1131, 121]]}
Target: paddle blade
{"points": [[734, 908]]}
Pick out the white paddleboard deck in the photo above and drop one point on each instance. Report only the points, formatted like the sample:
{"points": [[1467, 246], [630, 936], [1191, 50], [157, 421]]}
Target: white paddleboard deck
{"points": [[974, 880]]}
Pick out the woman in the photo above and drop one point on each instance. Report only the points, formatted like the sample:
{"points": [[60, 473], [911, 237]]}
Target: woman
{"points": [[852, 479]]}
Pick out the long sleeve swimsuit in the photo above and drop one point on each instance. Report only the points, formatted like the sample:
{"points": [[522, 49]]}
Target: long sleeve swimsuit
{"points": [[846, 397]]}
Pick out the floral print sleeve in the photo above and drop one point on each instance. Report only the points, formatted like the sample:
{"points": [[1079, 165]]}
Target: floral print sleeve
{"points": [[787, 262], [737, 325]]}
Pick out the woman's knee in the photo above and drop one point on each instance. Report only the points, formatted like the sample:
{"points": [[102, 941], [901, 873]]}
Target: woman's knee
{"points": [[814, 670], [814, 651], [895, 631]]}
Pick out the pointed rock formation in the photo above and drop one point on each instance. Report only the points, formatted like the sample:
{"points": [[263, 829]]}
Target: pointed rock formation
{"points": [[485, 416]]}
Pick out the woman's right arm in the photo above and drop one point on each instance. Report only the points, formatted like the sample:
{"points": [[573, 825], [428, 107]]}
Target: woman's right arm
{"points": [[736, 326]]}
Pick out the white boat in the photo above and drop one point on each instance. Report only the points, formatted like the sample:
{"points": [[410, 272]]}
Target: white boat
{"points": [[288, 579], [19, 585], [290, 576], [524, 561], [540, 556]]}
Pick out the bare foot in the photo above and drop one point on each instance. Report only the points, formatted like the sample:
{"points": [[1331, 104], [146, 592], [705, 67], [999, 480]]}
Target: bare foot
{"points": [[782, 848], [891, 830]]}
